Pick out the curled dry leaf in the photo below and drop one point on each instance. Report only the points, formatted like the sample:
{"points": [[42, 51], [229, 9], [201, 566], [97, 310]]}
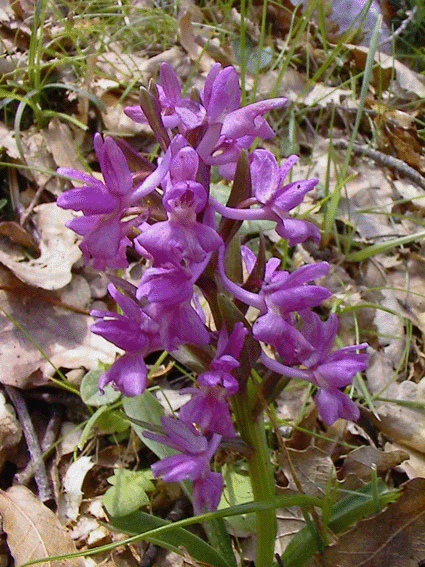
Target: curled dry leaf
{"points": [[72, 484], [360, 461], [58, 246], [33, 531], [61, 143], [10, 430], [393, 538]]}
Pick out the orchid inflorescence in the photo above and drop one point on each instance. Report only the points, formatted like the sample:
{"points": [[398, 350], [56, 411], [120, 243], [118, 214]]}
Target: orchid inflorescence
{"points": [[169, 217]]}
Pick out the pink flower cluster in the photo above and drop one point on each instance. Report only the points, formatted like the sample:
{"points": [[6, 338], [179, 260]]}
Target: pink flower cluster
{"points": [[163, 311]]}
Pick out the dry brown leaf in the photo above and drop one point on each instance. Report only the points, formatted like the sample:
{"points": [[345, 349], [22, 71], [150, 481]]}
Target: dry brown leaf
{"points": [[33, 531], [63, 335], [40, 165], [393, 538], [312, 467], [402, 424], [360, 461], [8, 142], [10, 431], [61, 144], [387, 66], [18, 235], [58, 246]]}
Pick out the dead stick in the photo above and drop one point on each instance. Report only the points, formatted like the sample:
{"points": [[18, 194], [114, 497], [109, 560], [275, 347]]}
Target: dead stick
{"points": [[384, 159], [45, 492]]}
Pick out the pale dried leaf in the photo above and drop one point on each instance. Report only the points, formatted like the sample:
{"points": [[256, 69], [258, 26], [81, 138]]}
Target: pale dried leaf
{"points": [[33, 531], [404, 78], [72, 484], [188, 41], [40, 165], [322, 95], [10, 430], [8, 142], [61, 144], [414, 466], [58, 246], [402, 424], [63, 335]]}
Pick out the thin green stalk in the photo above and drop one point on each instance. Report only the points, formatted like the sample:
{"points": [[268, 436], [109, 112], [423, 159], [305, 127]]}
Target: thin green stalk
{"points": [[261, 475]]}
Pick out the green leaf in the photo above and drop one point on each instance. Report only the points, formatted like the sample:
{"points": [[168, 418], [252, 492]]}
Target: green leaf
{"points": [[369, 251], [90, 393], [237, 490], [128, 491], [355, 506], [112, 421], [176, 540], [147, 408]]}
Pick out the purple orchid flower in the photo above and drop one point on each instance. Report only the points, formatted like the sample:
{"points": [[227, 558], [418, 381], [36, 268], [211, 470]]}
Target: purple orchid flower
{"points": [[192, 462], [176, 111], [268, 188], [105, 204], [275, 198], [208, 407], [281, 292], [136, 333], [181, 239], [331, 370]]}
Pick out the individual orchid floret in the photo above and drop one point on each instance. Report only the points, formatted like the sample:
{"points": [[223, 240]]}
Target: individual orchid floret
{"points": [[133, 331], [221, 93], [178, 324], [273, 199], [181, 239], [176, 111], [223, 142], [329, 370], [105, 204], [283, 294], [168, 284], [280, 291], [273, 195], [208, 407], [192, 462]]}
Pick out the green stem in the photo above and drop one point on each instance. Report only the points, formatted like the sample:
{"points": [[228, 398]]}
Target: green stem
{"points": [[261, 474]]}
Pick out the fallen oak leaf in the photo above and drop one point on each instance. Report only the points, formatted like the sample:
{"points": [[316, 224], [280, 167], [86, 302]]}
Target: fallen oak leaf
{"points": [[33, 531]]}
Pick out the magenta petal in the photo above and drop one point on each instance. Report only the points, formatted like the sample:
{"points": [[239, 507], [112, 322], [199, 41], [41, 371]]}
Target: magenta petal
{"points": [[124, 333], [128, 374], [170, 83], [180, 467], [333, 404], [90, 200], [207, 492], [115, 169], [297, 230], [292, 194], [136, 114], [265, 175], [190, 113]]}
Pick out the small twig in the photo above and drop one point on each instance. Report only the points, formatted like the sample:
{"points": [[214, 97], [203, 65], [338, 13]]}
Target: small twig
{"points": [[26, 213], [386, 160], [45, 492], [401, 28]]}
